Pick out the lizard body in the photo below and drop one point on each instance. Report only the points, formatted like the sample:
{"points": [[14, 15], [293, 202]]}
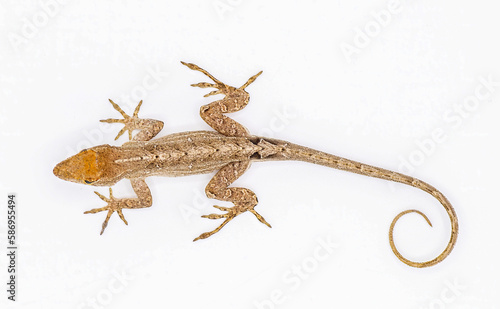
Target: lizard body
{"points": [[229, 151]]}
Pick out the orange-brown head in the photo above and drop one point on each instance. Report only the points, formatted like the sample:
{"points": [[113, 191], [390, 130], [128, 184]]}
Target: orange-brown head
{"points": [[94, 166], [84, 167], [102, 165]]}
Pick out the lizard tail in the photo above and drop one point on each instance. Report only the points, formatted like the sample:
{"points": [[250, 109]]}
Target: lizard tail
{"points": [[273, 149]]}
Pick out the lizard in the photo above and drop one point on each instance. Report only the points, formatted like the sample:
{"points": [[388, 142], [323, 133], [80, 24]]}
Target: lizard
{"points": [[228, 151]]}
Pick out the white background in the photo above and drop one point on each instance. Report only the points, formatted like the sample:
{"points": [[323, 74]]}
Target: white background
{"points": [[409, 75]]}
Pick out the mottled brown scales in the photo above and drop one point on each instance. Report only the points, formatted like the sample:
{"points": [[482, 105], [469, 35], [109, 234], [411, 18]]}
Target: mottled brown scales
{"points": [[229, 151]]}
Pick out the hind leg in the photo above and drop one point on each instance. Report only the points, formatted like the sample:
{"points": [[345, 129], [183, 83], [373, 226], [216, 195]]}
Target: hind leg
{"points": [[242, 198], [235, 99]]}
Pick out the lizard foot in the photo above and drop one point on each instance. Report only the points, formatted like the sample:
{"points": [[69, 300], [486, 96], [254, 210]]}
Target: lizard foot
{"points": [[231, 213], [131, 123], [220, 86], [114, 204]]}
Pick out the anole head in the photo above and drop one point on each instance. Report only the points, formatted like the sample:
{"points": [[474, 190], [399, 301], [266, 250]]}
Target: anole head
{"points": [[93, 166]]}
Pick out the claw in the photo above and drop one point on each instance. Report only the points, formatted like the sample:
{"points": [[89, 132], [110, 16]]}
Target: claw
{"points": [[102, 197], [250, 80], [204, 85], [213, 93], [121, 132], [231, 213], [136, 111], [96, 210], [193, 66], [117, 107], [260, 218], [208, 85], [222, 88], [110, 208], [222, 208], [105, 223], [208, 234], [129, 122], [215, 216], [120, 214], [113, 120]]}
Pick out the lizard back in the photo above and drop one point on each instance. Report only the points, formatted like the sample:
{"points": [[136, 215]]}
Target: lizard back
{"points": [[189, 153]]}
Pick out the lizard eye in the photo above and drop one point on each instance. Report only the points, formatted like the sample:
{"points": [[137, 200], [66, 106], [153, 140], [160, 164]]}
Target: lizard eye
{"points": [[88, 181]]}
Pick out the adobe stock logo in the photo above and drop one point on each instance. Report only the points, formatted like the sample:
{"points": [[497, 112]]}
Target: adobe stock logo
{"points": [[105, 296], [31, 26], [297, 274], [450, 293], [373, 28], [454, 119], [225, 6]]}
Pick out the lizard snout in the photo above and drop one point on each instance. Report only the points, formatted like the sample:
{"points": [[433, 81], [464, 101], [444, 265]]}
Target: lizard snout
{"points": [[81, 168]]}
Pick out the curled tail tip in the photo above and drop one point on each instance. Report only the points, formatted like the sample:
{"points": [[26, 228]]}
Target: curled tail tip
{"points": [[436, 260], [410, 211]]}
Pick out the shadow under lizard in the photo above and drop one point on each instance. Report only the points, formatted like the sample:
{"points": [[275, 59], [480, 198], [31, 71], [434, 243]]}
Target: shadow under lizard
{"points": [[229, 151]]}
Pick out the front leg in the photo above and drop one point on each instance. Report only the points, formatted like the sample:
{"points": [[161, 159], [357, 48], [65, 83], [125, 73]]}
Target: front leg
{"points": [[144, 199], [148, 127], [235, 99], [242, 198]]}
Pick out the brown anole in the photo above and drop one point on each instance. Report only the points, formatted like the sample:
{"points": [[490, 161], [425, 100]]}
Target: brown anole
{"points": [[229, 151]]}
